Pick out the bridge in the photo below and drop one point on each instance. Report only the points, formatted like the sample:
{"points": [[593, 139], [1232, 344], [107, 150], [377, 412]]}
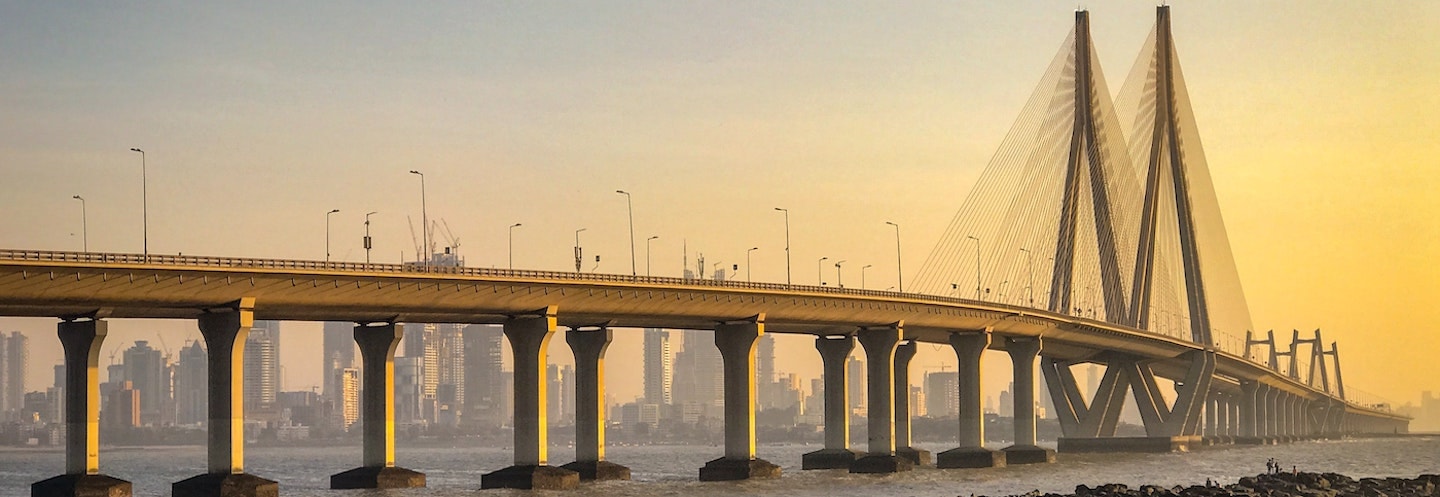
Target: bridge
{"points": [[1134, 219]]}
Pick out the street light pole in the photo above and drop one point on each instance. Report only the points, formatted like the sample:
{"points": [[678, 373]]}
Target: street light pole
{"points": [[787, 244], [327, 233], [1030, 269], [424, 221], [839, 282], [819, 270], [647, 253], [899, 271], [144, 206], [84, 225], [512, 244], [862, 275], [630, 207], [578, 251], [368, 244], [747, 263], [977, 265]]}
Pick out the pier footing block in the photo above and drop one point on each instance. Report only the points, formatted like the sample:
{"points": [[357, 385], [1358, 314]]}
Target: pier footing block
{"points": [[918, 457], [598, 470], [1028, 454], [225, 485], [531, 477], [1129, 444], [377, 477], [80, 486], [724, 469], [881, 463], [970, 457], [828, 459]]}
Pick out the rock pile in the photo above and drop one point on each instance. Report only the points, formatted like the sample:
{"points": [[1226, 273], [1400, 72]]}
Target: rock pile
{"points": [[1274, 485]]}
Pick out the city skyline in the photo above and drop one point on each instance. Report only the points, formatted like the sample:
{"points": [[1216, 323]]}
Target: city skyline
{"points": [[1311, 135]]}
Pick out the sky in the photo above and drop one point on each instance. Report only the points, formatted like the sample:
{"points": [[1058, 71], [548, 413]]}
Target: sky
{"points": [[1318, 121]]}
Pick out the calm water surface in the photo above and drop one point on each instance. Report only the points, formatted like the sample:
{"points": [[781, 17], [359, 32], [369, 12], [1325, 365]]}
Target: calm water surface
{"points": [[672, 470]]}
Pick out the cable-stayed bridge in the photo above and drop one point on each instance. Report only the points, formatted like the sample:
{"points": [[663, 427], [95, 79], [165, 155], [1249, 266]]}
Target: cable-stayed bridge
{"points": [[1096, 220]]}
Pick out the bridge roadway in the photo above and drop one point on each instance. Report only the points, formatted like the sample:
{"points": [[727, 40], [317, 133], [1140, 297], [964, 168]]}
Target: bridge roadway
{"points": [[106, 286]]}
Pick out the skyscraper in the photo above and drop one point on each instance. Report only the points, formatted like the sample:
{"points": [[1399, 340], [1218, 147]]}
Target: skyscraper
{"points": [[422, 347], [191, 401], [14, 354], [484, 379], [347, 385], [146, 371], [942, 394], [659, 367], [337, 353], [855, 372], [765, 371], [450, 364], [699, 370], [262, 366]]}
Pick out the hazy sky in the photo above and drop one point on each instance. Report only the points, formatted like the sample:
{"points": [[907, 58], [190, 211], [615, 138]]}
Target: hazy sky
{"points": [[1319, 123]]}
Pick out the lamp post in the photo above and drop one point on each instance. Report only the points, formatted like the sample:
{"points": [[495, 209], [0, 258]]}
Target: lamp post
{"points": [[647, 253], [977, 265], [424, 220], [630, 207], [819, 270], [1030, 270], [512, 244], [899, 271], [787, 243], [747, 263], [839, 282], [327, 233], [144, 206], [368, 244], [862, 275], [578, 251], [84, 225]]}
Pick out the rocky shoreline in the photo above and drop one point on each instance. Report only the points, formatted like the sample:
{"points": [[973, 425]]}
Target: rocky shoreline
{"points": [[1273, 485]]}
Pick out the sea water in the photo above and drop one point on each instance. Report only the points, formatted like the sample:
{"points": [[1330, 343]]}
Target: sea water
{"points": [[660, 470]]}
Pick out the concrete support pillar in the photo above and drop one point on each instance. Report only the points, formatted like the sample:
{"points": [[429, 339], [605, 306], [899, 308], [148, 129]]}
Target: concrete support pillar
{"points": [[903, 354], [1235, 422], [1212, 415], [1272, 412], [224, 331], [589, 346], [377, 414], [81, 339], [529, 337], [1286, 415], [971, 453], [736, 341], [1221, 413], [1249, 410], [880, 344], [835, 356], [1023, 352]]}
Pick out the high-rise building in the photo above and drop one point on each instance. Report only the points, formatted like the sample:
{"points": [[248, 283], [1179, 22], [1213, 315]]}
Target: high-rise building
{"points": [[146, 370], [348, 396], [14, 354], [1047, 403], [450, 367], [559, 403], [699, 370], [337, 353], [191, 380], [262, 366], [422, 346], [855, 380], [942, 394], [123, 408], [659, 367], [408, 390], [484, 379], [918, 405], [765, 371]]}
